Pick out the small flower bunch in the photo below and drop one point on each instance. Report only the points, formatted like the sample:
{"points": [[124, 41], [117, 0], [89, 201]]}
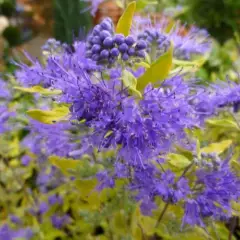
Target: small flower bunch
{"points": [[157, 43], [193, 42]]}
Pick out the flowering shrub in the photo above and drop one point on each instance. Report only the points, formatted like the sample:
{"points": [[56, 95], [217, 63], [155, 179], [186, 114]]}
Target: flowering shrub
{"points": [[115, 147]]}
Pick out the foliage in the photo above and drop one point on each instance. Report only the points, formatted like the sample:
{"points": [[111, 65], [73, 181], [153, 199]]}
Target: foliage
{"points": [[219, 17], [12, 35], [70, 20]]}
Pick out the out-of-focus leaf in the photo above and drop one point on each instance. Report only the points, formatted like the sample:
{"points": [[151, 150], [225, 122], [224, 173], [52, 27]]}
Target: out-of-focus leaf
{"points": [[130, 82], [119, 223], [40, 90], [141, 4], [158, 71], [135, 225], [226, 123], [217, 147], [143, 64], [64, 164], [49, 116], [196, 63], [177, 160], [125, 21], [186, 153]]}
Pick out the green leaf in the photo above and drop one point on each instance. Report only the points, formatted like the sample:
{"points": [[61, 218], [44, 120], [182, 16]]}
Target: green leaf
{"points": [[49, 116], [196, 63], [143, 64], [141, 4], [226, 123], [120, 3], [109, 133], [119, 223], [130, 82], [177, 160], [64, 164], [125, 21], [169, 26], [40, 90], [186, 153], [217, 147], [184, 69], [158, 71]]}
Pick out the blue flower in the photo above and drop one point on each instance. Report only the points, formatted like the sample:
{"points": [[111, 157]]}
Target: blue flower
{"points": [[6, 233], [60, 221], [192, 215]]}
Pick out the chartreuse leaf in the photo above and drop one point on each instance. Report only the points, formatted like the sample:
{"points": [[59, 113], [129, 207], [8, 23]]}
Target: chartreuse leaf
{"points": [[217, 147], [196, 63], [49, 116], [89, 196], [177, 160], [125, 21], [158, 71], [135, 225], [40, 90], [143, 64], [119, 223], [170, 26], [226, 123], [130, 82], [184, 70], [141, 4], [186, 153], [64, 164]]}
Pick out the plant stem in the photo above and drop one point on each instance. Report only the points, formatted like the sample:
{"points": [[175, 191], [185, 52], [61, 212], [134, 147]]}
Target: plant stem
{"points": [[232, 227], [161, 215], [186, 170]]}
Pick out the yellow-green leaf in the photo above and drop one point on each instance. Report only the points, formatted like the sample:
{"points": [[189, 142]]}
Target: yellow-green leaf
{"points": [[184, 69], [130, 82], [158, 71], [226, 123], [186, 153], [49, 116], [64, 164], [141, 4], [177, 160], [125, 21], [109, 133], [40, 90], [196, 63], [170, 26], [119, 223], [217, 147], [143, 64]]}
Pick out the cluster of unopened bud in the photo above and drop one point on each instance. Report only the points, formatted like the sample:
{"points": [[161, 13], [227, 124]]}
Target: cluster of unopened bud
{"points": [[208, 160], [157, 42], [104, 46]]}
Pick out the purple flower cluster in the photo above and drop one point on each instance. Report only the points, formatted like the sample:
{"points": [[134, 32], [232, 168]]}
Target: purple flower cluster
{"points": [[215, 188], [218, 97], [49, 140], [5, 114], [6, 233], [142, 129], [55, 71], [193, 41], [150, 182], [103, 46]]}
